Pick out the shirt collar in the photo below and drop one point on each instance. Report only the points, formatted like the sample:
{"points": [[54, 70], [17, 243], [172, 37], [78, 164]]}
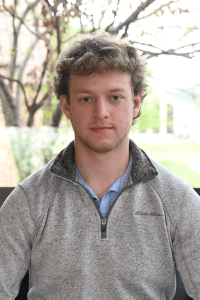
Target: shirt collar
{"points": [[118, 184], [142, 169]]}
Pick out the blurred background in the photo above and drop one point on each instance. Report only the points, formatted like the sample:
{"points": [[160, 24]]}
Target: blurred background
{"points": [[33, 33]]}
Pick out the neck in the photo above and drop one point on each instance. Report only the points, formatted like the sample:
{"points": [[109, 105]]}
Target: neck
{"points": [[101, 168]]}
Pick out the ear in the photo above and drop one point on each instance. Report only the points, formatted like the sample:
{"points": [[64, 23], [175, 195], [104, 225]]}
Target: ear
{"points": [[65, 106], [137, 104]]}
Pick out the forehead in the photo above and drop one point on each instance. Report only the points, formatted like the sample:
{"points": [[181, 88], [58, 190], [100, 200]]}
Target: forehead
{"points": [[109, 78]]}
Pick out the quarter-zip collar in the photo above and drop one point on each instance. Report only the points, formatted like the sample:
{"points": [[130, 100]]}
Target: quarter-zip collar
{"points": [[142, 168]]}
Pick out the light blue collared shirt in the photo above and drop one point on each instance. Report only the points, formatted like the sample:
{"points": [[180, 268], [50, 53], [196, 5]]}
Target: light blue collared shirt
{"points": [[112, 193]]}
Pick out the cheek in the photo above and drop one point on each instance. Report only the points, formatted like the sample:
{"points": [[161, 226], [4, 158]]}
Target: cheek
{"points": [[127, 113], [81, 115], [85, 113]]}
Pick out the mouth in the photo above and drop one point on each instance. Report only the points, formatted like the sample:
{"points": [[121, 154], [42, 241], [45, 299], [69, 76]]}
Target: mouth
{"points": [[99, 129]]}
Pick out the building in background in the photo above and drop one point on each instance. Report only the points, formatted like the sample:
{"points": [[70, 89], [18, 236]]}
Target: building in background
{"points": [[179, 112]]}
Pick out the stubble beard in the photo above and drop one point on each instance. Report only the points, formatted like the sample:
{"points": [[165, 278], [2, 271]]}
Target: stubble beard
{"points": [[89, 143]]}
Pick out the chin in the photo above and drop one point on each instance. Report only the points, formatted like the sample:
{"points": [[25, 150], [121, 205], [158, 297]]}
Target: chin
{"points": [[101, 146]]}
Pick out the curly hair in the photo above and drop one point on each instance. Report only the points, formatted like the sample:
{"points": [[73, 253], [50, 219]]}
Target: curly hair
{"points": [[100, 52]]}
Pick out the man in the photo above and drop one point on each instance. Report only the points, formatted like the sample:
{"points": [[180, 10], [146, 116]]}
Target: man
{"points": [[101, 220]]}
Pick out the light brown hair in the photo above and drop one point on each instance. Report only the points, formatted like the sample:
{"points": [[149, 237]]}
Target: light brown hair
{"points": [[100, 52]]}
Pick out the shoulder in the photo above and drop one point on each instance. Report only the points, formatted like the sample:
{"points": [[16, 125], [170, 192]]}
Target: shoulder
{"points": [[42, 179], [170, 186], [167, 175], [37, 190]]}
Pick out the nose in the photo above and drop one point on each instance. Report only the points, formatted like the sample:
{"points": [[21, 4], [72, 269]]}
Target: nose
{"points": [[101, 109]]}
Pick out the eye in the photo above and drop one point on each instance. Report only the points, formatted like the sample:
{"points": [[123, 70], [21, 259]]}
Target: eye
{"points": [[85, 99], [116, 98]]}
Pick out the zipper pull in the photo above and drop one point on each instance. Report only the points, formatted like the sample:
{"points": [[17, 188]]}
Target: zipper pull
{"points": [[103, 227]]}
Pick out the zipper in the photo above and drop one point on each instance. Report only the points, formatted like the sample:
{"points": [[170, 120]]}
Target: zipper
{"points": [[104, 220], [103, 228]]}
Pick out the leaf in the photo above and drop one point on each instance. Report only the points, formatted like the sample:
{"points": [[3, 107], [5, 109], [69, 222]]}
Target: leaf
{"points": [[48, 114], [44, 89], [12, 52], [29, 51], [54, 100], [190, 29]]}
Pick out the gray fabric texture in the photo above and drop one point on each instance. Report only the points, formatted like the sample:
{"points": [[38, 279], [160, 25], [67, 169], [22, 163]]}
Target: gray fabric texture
{"points": [[51, 226]]}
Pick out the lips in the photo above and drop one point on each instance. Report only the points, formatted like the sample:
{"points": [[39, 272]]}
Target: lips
{"points": [[101, 129]]}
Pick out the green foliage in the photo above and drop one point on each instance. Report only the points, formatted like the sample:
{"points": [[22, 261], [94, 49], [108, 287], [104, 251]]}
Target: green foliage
{"points": [[170, 119], [53, 40], [50, 74], [22, 151], [150, 117], [54, 56], [48, 111], [102, 17], [48, 136], [190, 176], [28, 51], [29, 89], [32, 149], [189, 30], [69, 31], [12, 52], [47, 115], [176, 156], [54, 100], [45, 88]]}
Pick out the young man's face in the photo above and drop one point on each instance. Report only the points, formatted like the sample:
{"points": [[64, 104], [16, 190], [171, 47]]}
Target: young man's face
{"points": [[103, 100]]}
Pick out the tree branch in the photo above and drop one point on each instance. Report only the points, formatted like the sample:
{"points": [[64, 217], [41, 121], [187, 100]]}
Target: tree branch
{"points": [[21, 85], [168, 52], [40, 104], [21, 19], [133, 17], [74, 35], [159, 9], [22, 68], [188, 46], [7, 92], [42, 76], [12, 66], [115, 14], [103, 13], [150, 45]]}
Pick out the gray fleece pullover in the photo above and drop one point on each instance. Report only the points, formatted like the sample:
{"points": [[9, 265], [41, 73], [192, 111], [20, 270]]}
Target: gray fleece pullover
{"points": [[51, 226]]}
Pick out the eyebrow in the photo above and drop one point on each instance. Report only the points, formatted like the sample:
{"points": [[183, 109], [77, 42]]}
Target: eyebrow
{"points": [[118, 90], [78, 91], [81, 91]]}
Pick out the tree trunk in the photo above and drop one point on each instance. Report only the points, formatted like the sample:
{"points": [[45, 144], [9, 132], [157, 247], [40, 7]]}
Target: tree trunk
{"points": [[7, 111], [10, 111], [30, 120]]}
